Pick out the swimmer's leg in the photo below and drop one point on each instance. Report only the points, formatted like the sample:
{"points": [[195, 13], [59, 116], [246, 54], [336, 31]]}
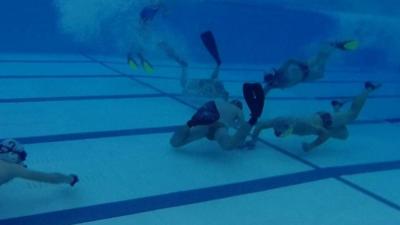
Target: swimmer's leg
{"points": [[318, 63], [185, 135], [170, 52], [359, 101], [215, 73]]}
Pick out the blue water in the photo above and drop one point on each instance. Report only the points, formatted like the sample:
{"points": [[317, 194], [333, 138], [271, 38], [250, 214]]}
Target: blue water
{"points": [[69, 96]]}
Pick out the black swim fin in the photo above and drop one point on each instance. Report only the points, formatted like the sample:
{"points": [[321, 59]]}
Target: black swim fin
{"points": [[209, 42], [254, 95]]}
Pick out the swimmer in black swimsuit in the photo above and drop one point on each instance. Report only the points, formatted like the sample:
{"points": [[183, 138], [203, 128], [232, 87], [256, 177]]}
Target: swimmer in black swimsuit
{"points": [[214, 118], [324, 125], [293, 72]]}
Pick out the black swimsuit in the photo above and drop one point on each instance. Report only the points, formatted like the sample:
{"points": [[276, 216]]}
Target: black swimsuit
{"points": [[305, 69], [326, 119]]}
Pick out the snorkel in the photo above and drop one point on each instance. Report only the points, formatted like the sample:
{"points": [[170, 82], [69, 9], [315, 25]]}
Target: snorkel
{"points": [[12, 152]]}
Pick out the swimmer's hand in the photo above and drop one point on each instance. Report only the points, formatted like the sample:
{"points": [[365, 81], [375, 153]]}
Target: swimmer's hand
{"points": [[248, 145], [74, 180]]}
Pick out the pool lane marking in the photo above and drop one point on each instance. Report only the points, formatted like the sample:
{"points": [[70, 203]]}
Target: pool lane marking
{"points": [[200, 195]]}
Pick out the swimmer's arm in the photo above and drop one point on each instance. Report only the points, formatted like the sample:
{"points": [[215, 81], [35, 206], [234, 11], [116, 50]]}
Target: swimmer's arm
{"points": [[261, 126], [317, 142], [53, 178]]}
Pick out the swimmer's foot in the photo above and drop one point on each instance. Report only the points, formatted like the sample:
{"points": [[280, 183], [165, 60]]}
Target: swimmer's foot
{"points": [[205, 115], [348, 45], [371, 86], [254, 96]]}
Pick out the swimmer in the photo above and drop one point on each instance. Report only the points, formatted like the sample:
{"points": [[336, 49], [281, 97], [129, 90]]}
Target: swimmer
{"points": [[293, 72], [324, 125], [214, 118], [209, 88], [136, 58], [12, 157]]}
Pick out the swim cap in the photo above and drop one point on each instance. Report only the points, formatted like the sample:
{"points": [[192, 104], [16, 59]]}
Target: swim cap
{"points": [[12, 151]]}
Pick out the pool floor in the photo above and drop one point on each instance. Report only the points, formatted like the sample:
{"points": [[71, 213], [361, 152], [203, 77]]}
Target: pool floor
{"points": [[96, 117]]}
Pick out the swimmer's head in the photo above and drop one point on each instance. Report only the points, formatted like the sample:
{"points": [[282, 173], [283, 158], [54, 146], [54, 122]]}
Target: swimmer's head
{"points": [[268, 78], [13, 152], [283, 128], [237, 103]]}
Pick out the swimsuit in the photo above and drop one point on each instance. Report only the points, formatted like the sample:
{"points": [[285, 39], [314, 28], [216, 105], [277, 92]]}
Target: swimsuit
{"points": [[326, 119]]}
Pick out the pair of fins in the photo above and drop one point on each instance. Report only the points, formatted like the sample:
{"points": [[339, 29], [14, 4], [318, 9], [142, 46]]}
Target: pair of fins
{"points": [[144, 63]]}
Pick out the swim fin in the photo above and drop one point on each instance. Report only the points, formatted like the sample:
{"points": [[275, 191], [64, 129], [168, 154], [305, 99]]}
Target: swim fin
{"points": [[371, 86], [348, 45], [132, 63], [254, 95], [148, 67], [146, 64], [209, 42]]}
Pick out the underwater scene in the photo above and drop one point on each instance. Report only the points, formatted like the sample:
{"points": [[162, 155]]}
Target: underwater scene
{"points": [[199, 112]]}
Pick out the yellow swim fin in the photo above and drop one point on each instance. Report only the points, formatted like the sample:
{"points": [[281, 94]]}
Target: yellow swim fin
{"points": [[132, 63], [349, 45], [147, 67]]}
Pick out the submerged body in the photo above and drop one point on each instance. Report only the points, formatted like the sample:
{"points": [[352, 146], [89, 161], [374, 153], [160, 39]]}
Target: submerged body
{"points": [[12, 157], [324, 125], [209, 88], [293, 72], [213, 120]]}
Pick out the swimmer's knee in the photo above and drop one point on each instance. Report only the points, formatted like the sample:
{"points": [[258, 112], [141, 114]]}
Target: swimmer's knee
{"points": [[174, 142]]}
